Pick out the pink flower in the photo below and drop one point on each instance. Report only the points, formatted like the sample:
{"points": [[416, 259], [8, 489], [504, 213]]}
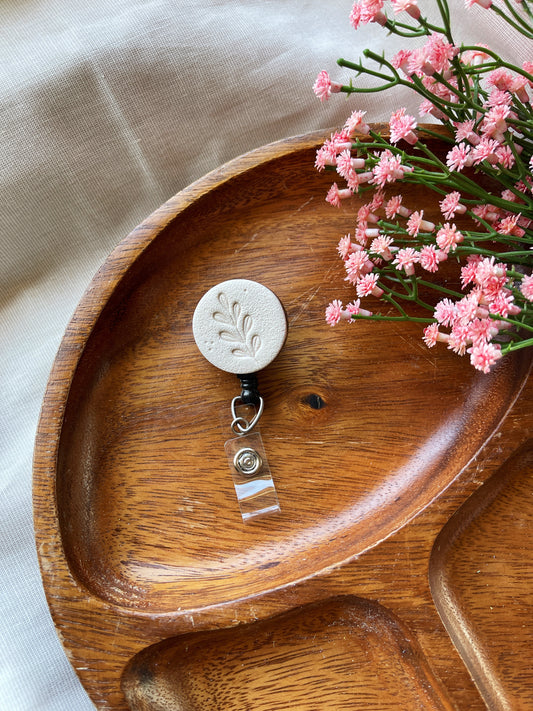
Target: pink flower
{"points": [[487, 270], [458, 157], [354, 309], [324, 87], [416, 222], [388, 169], [518, 87], [503, 305], [468, 271], [505, 156], [401, 60], [466, 309], [431, 334], [405, 259], [445, 312], [484, 355], [408, 6], [509, 226], [355, 123], [334, 312], [451, 205], [448, 237], [482, 3], [365, 11], [365, 214], [430, 258], [498, 97], [335, 195], [394, 207], [458, 338], [381, 245], [377, 200], [501, 79], [346, 246], [439, 53], [402, 126], [481, 330], [465, 132], [345, 167], [367, 285], [475, 57], [485, 150], [357, 264], [526, 287], [495, 121]]}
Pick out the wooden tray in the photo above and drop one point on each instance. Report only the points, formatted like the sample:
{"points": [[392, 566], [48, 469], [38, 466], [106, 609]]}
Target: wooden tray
{"points": [[373, 440]]}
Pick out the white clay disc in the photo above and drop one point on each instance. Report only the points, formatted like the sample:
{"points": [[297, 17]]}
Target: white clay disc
{"points": [[239, 326]]}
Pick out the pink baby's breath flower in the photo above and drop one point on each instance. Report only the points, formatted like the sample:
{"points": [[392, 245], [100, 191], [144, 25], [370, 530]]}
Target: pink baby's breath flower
{"points": [[465, 132], [365, 214], [416, 223], [445, 312], [485, 150], [409, 6], [526, 287], [503, 304], [467, 308], [481, 330], [484, 355], [528, 67], [488, 269], [482, 3], [354, 309], [388, 169], [430, 257], [334, 312], [451, 206], [468, 271], [377, 200], [355, 123], [402, 126], [518, 87], [401, 60], [500, 79], [458, 338], [495, 120], [394, 207], [335, 195], [505, 157], [448, 237], [324, 87], [406, 259], [458, 157], [508, 225], [365, 11], [346, 246], [367, 285], [381, 245], [357, 264], [475, 57], [345, 167], [439, 53], [431, 335]]}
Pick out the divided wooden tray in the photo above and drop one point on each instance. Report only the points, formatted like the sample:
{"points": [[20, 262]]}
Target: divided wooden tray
{"points": [[163, 598]]}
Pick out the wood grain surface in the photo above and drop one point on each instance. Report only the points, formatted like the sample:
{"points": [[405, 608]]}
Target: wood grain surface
{"points": [[373, 441]]}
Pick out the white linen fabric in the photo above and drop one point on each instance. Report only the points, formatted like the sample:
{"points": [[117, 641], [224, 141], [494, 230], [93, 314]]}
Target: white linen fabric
{"points": [[107, 109]]}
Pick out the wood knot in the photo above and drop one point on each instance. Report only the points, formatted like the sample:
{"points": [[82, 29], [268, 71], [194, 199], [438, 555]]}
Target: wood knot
{"points": [[314, 401]]}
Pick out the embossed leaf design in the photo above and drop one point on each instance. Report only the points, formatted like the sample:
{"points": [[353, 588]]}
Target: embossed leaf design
{"points": [[240, 328]]}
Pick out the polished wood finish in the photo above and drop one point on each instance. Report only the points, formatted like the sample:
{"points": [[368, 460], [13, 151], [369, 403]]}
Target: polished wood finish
{"points": [[373, 440]]}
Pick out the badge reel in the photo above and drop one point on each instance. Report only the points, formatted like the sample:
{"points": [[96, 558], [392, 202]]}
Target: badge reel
{"points": [[240, 326]]}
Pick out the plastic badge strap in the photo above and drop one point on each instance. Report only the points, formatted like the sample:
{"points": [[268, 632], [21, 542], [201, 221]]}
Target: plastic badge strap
{"points": [[252, 479]]}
